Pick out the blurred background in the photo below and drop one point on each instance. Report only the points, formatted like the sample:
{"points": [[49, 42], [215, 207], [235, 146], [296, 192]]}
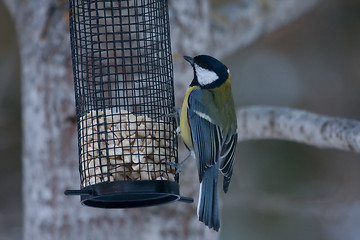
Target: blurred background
{"points": [[280, 190], [10, 130]]}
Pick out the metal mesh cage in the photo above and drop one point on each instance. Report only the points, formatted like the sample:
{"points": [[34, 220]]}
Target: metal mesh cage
{"points": [[125, 102]]}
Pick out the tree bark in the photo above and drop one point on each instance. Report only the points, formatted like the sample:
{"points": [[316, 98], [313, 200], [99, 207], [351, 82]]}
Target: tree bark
{"points": [[50, 159], [260, 122]]}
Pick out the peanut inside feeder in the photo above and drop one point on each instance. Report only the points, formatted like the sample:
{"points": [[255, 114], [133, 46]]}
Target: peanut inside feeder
{"points": [[120, 146]]}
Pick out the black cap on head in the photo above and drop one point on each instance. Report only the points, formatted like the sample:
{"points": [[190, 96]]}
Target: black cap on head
{"points": [[214, 72], [210, 63]]}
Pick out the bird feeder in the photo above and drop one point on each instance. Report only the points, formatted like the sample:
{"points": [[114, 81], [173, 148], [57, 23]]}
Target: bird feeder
{"points": [[124, 95]]}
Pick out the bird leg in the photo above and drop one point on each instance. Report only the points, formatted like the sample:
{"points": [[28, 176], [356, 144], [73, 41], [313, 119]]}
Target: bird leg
{"points": [[176, 115], [179, 165]]}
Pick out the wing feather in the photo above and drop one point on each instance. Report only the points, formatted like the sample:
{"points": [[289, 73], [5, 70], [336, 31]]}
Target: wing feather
{"points": [[205, 134], [227, 157], [210, 146]]}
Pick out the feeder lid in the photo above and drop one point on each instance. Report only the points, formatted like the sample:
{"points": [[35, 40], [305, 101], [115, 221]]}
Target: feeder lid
{"points": [[129, 194]]}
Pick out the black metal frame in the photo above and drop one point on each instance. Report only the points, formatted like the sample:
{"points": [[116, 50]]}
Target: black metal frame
{"points": [[125, 102]]}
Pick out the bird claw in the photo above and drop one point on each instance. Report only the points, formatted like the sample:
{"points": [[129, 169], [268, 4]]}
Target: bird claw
{"points": [[178, 131], [179, 165], [176, 166], [175, 114]]}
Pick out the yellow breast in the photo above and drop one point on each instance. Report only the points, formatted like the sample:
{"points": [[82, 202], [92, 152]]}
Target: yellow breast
{"points": [[184, 123]]}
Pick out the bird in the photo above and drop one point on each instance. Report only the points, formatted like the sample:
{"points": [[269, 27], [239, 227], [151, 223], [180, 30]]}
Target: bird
{"points": [[208, 127]]}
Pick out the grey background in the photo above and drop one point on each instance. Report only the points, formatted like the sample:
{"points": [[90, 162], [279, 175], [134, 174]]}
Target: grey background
{"points": [[280, 190]]}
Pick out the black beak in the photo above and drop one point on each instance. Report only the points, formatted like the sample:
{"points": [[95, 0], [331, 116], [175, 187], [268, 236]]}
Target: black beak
{"points": [[189, 59]]}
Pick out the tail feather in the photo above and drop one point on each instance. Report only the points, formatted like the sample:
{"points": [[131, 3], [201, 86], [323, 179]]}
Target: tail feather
{"points": [[208, 206]]}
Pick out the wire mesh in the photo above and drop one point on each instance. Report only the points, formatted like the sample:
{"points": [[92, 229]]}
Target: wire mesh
{"points": [[124, 90]]}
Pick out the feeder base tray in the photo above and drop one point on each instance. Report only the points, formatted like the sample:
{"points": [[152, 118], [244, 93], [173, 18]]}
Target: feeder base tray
{"points": [[129, 194]]}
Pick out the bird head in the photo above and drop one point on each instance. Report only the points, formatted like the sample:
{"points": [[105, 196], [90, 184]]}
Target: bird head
{"points": [[208, 71]]}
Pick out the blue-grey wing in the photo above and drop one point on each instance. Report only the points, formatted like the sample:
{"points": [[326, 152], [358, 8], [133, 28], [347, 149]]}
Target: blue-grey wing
{"points": [[206, 135], [227, 156]]}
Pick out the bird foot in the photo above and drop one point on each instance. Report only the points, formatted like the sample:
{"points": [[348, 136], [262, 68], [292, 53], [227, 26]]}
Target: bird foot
{"points": [[175, 114], [179, 165]]}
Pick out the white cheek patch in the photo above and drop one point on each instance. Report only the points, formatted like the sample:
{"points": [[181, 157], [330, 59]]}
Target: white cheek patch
{"points": [[205, 76]]}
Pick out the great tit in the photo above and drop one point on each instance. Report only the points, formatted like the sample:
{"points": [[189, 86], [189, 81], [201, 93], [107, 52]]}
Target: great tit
{"points": [[208, 127]]}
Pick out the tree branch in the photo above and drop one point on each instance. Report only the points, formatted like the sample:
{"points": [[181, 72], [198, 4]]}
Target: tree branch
{"points": [[239, 23], [260, 122]]}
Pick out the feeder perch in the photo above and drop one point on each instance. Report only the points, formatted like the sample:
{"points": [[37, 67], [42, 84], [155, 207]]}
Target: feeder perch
{"points": [[124, 103]]}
